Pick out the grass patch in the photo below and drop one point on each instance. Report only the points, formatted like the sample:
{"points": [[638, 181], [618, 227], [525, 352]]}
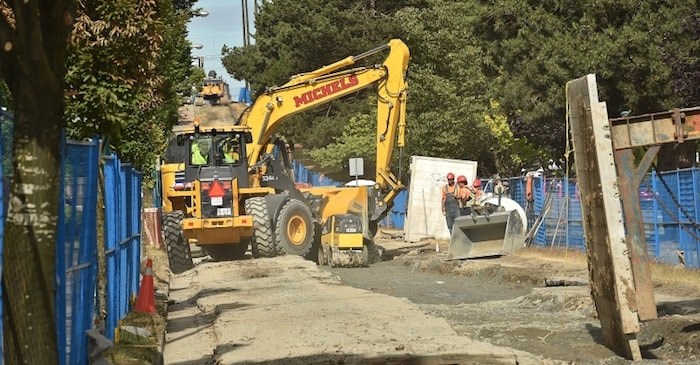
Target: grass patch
{"points": [[669, 278], [131, 349], [681, 281]]}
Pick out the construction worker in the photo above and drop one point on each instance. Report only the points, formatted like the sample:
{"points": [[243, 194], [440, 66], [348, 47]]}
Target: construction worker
{"points": [[477, 193], [198, 158], [465, 196], [450, 201], [477, 197], [231, 153]]}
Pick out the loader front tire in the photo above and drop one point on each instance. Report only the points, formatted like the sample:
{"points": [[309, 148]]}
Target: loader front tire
{"points": [[263, 244], [179, 254], [295, 229]]}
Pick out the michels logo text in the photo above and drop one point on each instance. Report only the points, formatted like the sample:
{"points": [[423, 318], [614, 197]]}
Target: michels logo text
{"points": [[326, 90]]}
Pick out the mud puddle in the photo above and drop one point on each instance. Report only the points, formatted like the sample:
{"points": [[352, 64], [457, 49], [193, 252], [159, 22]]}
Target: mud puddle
{"points": [[506, 305], [397, 279]]}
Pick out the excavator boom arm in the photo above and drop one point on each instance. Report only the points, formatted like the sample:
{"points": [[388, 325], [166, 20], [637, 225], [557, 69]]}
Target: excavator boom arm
{"points": [[308, 90]]}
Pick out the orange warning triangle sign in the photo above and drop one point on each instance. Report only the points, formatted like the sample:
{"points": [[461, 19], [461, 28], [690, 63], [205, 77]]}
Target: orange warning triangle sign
{"points": [[216, 190]]}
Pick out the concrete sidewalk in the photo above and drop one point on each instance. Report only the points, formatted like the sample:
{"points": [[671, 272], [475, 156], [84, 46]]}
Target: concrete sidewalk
{"points": [[285, 311]]}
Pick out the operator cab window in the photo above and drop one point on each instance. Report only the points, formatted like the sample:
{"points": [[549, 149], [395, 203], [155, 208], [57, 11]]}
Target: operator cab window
{"points": [[199, 150], [229, 149]]}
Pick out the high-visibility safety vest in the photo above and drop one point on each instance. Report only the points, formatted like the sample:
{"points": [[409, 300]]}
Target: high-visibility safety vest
{"points": [[197, 158], [230, 157]]}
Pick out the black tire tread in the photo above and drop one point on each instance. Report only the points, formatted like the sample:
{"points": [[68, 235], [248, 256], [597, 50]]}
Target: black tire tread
{"points": [[179, 254], [263, 244]]}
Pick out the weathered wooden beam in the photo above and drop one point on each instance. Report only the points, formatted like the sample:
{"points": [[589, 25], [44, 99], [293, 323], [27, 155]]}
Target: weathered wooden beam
{"points": [[612, 285], [636, 240], [645, 163]]}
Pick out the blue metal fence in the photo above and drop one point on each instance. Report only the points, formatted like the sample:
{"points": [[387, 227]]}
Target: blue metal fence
{"points": [[670, 204], [397, 215], [313, 178], [395, 218], [122, 239], [76, 249], [244, 96]]}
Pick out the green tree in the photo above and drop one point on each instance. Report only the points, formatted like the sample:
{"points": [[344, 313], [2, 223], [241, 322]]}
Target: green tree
{"points": [[533, 48], [298, 36], [128, 60], [34, 36]]}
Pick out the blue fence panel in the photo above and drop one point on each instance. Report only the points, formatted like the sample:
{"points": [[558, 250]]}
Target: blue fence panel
{"points": [[122, 238], [244, 96], [670, 204], [123, 297], [692, 251], [76, 250], [306, 176], [397, 216], [574, 227], [112, 212]]}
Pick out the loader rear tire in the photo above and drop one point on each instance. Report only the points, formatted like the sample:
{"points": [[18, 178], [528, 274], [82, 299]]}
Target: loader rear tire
{"points": [[263, 244], [295, 229], [179, 254]]}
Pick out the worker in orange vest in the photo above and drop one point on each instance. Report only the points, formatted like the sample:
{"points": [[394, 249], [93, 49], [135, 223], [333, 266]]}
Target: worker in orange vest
{"points": [[450, 201]]}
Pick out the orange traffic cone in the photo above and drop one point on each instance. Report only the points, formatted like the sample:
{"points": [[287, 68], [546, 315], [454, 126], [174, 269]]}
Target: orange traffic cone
{"points": [[146, 300]]}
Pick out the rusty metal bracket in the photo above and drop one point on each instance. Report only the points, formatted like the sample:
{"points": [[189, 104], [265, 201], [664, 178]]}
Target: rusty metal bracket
{"points": [[678, 119], [672, 126]]}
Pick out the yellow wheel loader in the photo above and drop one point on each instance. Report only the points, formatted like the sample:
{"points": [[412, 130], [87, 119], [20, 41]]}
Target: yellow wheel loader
{"points": [[202, 184], [226, 206], [214, 89]]}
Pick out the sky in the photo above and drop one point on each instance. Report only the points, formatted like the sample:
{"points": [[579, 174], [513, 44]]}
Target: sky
{"points": [[223, 26]]}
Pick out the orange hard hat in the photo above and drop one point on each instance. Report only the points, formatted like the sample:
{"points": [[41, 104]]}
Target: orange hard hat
{"points": [[450, 176], [462, 179], [477, 183]]}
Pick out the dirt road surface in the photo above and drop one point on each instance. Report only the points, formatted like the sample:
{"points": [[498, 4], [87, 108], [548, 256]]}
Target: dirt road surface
{"points": [[417, 309]]}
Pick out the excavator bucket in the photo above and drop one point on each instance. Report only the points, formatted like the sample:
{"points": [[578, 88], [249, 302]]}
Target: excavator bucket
{"points": [[499, 233]]}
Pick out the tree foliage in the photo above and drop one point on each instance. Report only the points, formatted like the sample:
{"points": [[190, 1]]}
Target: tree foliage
{"points": [[299, 36], [534, 47], [467, 54], [128, 60]]}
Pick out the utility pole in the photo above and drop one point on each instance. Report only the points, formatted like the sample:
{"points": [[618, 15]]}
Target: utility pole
{"points": [[246, 31]]}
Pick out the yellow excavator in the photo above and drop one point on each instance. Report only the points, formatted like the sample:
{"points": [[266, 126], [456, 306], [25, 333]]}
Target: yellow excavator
{"points": [[348, 216], [225, 204]]}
